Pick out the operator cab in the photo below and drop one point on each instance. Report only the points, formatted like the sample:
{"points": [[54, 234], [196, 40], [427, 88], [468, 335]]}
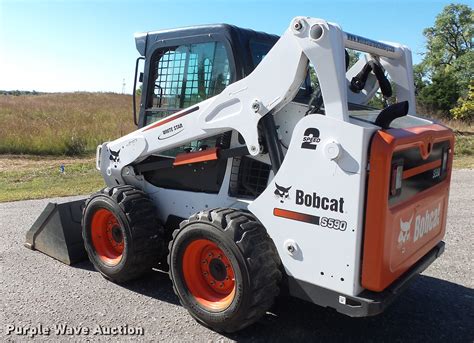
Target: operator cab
{"points": [[183, 67], [188, 65]]}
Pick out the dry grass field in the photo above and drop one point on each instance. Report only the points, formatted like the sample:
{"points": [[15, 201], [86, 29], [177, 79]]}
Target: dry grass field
{"points": [[464, 145], [62, 124]]}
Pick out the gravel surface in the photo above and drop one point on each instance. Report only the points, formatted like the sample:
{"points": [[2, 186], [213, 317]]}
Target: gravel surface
{"points": [[37, 290]]}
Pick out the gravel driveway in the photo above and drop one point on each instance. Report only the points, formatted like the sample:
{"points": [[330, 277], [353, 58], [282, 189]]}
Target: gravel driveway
{"points": [[39, 292]]}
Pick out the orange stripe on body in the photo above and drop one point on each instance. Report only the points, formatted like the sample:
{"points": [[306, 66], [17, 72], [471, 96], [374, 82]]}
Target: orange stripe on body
{"points": [[301, 217], [421, 169]]}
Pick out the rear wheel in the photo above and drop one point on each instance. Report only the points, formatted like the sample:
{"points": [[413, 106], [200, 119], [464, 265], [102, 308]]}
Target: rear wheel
{"points": [[121, 233], [209, 274], [224, 268]]}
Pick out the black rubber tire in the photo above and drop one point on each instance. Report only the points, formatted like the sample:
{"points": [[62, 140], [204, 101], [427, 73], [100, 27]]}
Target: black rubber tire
{"points": [[142, 232], [254, 259]]}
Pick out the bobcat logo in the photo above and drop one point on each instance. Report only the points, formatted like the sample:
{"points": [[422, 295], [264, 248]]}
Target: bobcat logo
{"points": [[114, 155], [404, 235], [282, 193]]}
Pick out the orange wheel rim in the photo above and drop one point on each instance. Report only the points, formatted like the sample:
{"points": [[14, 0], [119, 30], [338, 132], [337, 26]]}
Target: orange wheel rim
{"points": [[107, 237], [209, 275]]}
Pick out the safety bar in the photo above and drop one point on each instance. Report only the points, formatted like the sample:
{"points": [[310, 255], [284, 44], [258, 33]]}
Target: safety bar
{"points": [[371, 46]]}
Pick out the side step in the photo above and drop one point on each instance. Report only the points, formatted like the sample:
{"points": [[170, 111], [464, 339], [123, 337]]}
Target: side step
{"points": [[57, 232]]}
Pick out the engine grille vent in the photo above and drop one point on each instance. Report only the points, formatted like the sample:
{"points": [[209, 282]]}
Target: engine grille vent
{"points": [[248, 178]]}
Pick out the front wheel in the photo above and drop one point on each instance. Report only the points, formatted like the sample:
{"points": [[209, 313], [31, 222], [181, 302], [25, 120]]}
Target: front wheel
{"points": [[121, 233], [224, 268]]}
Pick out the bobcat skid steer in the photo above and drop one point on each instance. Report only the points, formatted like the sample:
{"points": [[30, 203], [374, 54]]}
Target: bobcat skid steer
{"points": [[245, 181]]}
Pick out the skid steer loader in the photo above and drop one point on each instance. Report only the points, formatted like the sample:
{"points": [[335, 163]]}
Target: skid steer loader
{"points": [[246, 180]]}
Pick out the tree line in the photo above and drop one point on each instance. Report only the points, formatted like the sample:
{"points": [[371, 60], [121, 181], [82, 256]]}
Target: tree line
{"points": [[444, 78]]}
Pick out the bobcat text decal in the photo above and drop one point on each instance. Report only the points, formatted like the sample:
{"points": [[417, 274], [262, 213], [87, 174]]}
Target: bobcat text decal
{"points": [[312, 200], [427, 222], [424, 223], [316, 201]]}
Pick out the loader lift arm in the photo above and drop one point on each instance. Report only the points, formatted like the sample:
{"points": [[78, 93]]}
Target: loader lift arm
{"points": [[242, 104]]}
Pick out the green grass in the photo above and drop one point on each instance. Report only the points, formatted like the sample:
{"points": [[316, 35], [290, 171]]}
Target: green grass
{"points": [[464, 144], [464, 151], [34, 177]]}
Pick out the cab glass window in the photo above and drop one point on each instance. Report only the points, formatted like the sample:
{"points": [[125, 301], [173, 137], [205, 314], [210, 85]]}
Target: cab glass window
{"points": [[259, 50], [185, 75]]}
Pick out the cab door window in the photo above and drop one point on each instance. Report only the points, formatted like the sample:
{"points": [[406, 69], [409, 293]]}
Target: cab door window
{"points": [[182, 76], [185, 75]]}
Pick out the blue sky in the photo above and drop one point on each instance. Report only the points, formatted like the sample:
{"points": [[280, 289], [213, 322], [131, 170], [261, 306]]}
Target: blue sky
{"points": [[88, 45]]}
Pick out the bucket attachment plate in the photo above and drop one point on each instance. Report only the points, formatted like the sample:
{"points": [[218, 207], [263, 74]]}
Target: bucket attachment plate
{"points": [[57, 232]]}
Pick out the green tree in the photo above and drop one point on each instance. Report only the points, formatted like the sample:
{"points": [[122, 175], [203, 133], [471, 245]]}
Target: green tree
{"points": [[465, 109], [419, 74], [447, 68], [441, 94], [450, 37]]}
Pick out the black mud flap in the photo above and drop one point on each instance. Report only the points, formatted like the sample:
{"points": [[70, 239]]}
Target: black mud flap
{"points": [[57, 232]]}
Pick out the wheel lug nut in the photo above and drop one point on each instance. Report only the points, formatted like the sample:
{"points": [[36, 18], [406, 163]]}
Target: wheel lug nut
{"points": [[204, 261], [205, 273], [212, 282], [221, 285]]}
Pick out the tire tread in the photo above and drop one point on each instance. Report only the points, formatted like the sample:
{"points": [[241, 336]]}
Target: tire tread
{"points": [[145, 230], [256, 247]]}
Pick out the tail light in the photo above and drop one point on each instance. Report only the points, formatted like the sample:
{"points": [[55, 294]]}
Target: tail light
{"points": [[444, 160], [396, 178]]}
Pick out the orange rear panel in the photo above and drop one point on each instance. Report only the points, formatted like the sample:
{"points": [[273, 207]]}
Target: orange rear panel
{"points": [[403, 226]]}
